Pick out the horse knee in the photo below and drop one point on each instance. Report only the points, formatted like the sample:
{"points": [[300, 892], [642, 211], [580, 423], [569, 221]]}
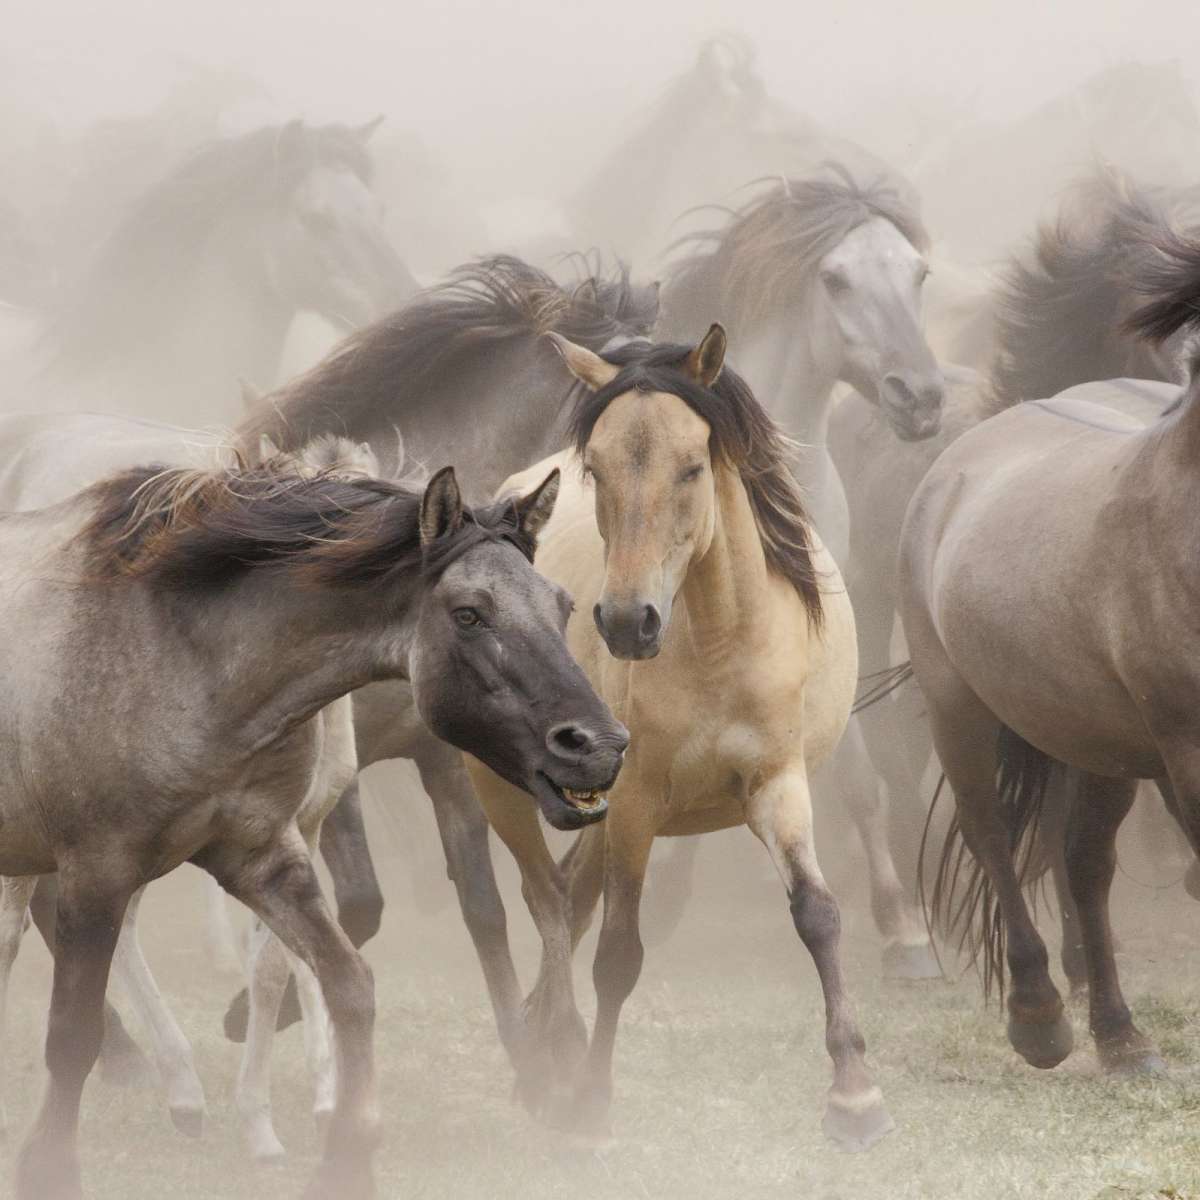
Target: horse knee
{"points": [[618, 963], [349, 993], [816, 917]]}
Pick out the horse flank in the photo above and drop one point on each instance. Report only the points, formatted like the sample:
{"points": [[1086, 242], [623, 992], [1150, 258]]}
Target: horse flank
{"points": [[743, 435], [768, 251], [483, 306], [183, 529]]}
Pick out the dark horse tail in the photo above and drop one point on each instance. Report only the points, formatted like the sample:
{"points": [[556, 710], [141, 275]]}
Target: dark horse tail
{"points": [[963, 902]]}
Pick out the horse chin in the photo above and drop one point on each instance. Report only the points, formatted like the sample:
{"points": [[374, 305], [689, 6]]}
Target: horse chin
{"points": [[561, 811]]}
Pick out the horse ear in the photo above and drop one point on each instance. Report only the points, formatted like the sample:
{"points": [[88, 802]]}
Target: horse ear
{"points": [[535, 509], [705, 362], [441, 507], [364, 131], [251, 395], [590, 369]]}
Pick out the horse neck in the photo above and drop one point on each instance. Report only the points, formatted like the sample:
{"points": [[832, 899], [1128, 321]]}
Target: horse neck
{"points": [[724, 592], [793, 371], [284, 652]]}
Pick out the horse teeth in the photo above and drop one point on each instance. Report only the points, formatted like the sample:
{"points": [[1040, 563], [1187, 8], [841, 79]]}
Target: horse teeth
{"points": [[584, 799]]}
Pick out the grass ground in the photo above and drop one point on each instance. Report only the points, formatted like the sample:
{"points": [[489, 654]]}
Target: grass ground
{"points": [[721, 1070]]}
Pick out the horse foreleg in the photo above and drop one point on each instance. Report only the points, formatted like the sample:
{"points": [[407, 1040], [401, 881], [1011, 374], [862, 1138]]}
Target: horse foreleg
{"points": [[348, 856], [555, 1036], [121, 1059], [463, 827], [1091, 857], [15, 892], [172, 1051], [1052, 837], [278, 882], [90, 910], [780, 814], [220, 942], [907, 953], [628, 839]]}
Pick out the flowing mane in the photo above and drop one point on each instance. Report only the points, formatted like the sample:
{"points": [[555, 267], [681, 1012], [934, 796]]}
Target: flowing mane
{"points": [[768, 251], [136, 279], [1059, 314], [186, 529], [385, 369], [742, 435]]}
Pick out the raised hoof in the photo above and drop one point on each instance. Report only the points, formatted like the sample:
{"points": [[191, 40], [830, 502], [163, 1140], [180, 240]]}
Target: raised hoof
{"points": [[913, 963], [189, 1121], [856, 1125], [1042, 1044], [237, 1016]]}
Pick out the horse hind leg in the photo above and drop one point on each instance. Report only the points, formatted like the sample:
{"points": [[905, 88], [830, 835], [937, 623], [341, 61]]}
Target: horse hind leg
{"points": [[966, 734], [1052, 837], [780, 815], [220, 941], [171, 1050], [15, 892], [1091, 858], [907, 952]]}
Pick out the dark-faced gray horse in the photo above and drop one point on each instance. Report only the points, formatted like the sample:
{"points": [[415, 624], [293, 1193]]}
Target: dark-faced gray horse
{"points": [[177, 632]]}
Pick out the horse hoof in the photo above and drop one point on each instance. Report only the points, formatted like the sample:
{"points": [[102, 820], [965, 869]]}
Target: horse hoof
{"points": [[1133, 1055], [189, 1121], [1042, 1044], [912, 963], [237, 1017], [857, 1123], [1191, 881]]}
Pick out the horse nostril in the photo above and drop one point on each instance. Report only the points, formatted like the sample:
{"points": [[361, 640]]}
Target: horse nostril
{"points": [[899, 394], [569, 739], [651, 623], [598, 617]]}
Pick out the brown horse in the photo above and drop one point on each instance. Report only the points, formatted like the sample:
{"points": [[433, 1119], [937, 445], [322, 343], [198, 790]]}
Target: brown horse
{"points": [[1047, 585], [716, 624]]}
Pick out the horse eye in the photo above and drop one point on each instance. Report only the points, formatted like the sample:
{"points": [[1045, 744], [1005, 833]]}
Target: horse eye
{"points": [[468, 618], [692, 473]]}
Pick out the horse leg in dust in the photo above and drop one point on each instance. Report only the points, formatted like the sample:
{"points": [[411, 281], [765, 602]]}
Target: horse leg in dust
{"points": [[779, 813], [907, 953], [669, 888], [893, 729], [1091, 857], [220, 942], [121, 1059], [463, 827], [89, 913], [171, 1052], [555, 1036], [619, 953], [279, 883], [15, 891], [1061, 791], [355, 888], [965, 734], [1191, 881]]}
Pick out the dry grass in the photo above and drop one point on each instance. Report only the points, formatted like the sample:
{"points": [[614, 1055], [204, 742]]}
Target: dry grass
{"points": [[721, 1071]]}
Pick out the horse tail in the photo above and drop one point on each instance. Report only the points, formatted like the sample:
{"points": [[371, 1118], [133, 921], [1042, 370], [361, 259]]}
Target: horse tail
{"points": [[879, 685], [963, 902]]}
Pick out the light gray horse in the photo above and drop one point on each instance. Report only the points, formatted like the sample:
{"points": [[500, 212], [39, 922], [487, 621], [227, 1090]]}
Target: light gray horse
{"points": [[169, 637], [1047, 586]]}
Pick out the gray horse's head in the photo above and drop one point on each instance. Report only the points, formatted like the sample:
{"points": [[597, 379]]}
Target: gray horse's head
{"points": [[491, 672], [326, 248]]}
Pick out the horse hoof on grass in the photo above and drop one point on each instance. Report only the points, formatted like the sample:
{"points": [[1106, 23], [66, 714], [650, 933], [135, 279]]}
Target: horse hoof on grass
{"points": [[1042, 1044], [1133, 1055], [857, 1123], [189, 1121], [912, 963]]}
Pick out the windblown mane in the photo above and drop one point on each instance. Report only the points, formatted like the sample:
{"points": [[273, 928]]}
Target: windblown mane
{"points": [[482, 307], [186, 529], [138, 275], [1059, 314], [763, 258], [743, 435]]}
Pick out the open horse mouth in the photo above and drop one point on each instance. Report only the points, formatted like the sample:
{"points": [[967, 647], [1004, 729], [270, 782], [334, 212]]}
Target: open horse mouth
{"points": [[569, 808]]}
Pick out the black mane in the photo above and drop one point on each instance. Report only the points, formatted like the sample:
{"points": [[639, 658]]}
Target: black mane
{"points": [[484, 306], [200, 530]]}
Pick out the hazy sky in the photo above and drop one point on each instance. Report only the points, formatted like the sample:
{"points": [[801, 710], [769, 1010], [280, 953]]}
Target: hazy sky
{"points": [[495, 74]]}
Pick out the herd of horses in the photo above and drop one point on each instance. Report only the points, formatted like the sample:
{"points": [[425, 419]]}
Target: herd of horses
{"points": [[209, 635]]}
